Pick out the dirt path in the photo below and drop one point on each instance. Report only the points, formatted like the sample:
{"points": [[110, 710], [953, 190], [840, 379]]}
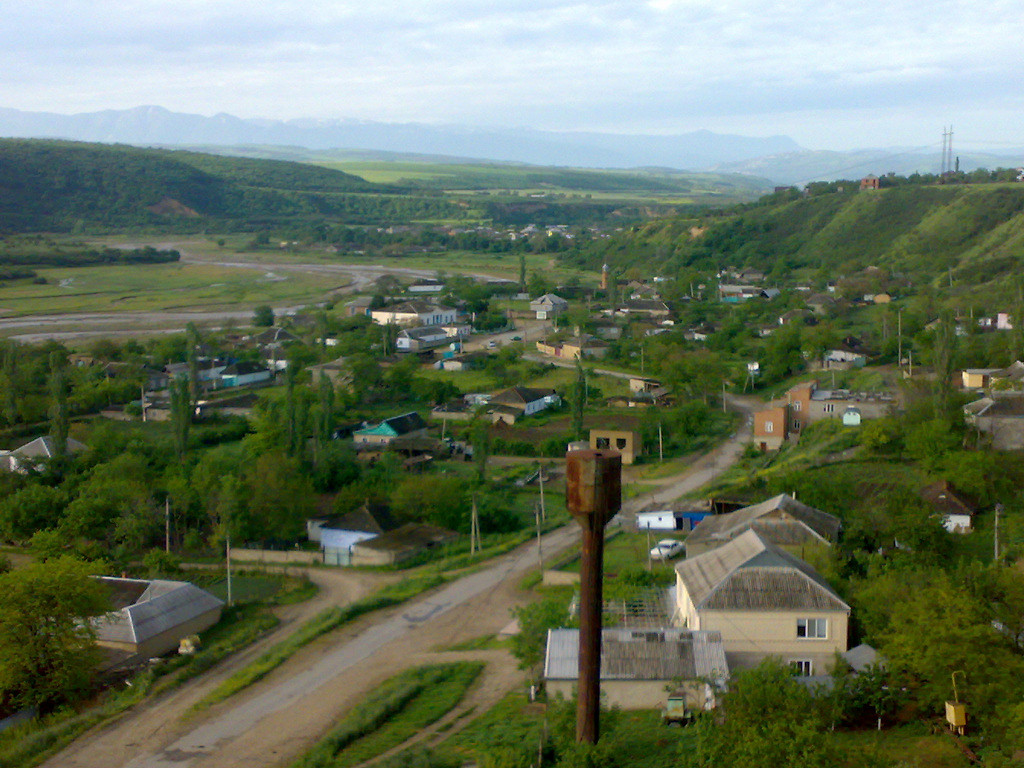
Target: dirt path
{"points": [[705, 467], [284, 714], [116, 742]]}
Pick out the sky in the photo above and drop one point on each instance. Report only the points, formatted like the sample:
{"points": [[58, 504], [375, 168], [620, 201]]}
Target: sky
{"points": [[830, 74]]}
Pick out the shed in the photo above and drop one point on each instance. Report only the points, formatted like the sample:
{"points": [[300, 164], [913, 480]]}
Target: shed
{"points": [[639, 667], [401, 544]]}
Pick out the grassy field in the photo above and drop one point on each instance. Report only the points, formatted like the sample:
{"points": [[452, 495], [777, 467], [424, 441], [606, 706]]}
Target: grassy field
{"points": [[159, 287]]}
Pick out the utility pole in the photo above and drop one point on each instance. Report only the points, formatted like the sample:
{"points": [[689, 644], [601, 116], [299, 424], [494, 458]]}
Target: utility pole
{"points": [[899, 338], [228, 549], [142, 402], [167, 524], [474, 530], [661, 444], [540, 548], [995, 544], [540, 479]]}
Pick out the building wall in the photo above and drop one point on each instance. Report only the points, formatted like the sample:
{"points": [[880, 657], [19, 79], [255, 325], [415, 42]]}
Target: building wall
{"points": [[625, 442], [770, 439], [750, 637], [1007, 434], [632, 694], [167, 641], [869, 409]]}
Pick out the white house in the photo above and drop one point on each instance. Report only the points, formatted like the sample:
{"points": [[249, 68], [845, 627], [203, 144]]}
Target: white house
{"points": [[414, 314], [244, 373], [415, 339], [548, 306]]}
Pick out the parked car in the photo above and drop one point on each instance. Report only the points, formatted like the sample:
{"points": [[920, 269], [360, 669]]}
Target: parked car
{"points": [[666, 549], [517, 338], [492, 344]]}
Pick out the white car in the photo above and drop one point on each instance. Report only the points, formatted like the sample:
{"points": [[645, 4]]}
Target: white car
{"points": [[666, 549]]}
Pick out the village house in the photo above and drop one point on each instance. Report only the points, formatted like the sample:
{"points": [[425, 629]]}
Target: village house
{"points": [[639, 667], [401, 544], [1000, 417], [407, 424], [574, 348], [650, 308], [243, 374], [33, 454], [952, 506], [337, 535], [765, 602], [548, 306], [150, 618], [805, 403], [781, 520], [417, 339], [512, 404], [414, 314]]}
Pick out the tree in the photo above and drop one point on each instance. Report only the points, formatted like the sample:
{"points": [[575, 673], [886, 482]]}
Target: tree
{"points": [[480, 437], [578, 400], [47, 648], [263, 316], [181, 414], [58, 407], [770, 719]]}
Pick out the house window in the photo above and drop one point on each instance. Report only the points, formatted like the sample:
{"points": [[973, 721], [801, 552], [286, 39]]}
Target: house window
{"points": [[769, 426], [802, 667], [812, 629], [796, 406], [796, 425], [829, 407], [602, 443]]}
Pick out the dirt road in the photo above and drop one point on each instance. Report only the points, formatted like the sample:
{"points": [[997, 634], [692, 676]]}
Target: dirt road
{"points": [[288, 711], [284, 714]]}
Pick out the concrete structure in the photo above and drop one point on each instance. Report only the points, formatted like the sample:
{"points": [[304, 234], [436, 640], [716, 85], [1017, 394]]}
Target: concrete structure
{"points": [[151, 617], [842, 360], [651, 308], [401, 544], [1000, 417], [670, 519], [852, 417], [548, 306], [414, 314], [781, 520], [407, 424], [765, 603], [640, 667], [976, 378], [626, 442]]}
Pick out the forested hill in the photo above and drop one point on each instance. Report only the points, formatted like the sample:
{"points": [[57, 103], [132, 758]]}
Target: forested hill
{"points": [[66, 186], [972, 233]]}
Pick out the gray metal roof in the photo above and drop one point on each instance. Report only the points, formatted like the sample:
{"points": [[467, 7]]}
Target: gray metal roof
{"points": [[163, 605], [749, 573], [781, 519], [632, 654]]}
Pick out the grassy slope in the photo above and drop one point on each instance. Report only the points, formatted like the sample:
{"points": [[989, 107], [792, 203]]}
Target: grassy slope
{"points": [[977, 231]]}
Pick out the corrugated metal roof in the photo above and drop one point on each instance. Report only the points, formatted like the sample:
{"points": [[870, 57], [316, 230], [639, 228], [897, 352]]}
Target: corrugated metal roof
{"points": [[659, 654], [162, 606], [781, 519], [749, 573]]}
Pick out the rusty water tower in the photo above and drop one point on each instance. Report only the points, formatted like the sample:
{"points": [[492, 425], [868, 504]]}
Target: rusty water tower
{"points": [[593, 496]]}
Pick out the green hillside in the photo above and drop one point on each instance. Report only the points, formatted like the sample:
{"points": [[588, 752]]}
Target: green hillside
{"points": [[67, 186], [973, 234]]}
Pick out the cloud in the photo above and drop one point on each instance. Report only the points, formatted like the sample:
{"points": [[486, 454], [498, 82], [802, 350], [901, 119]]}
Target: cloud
{"points": [[677, 64]]}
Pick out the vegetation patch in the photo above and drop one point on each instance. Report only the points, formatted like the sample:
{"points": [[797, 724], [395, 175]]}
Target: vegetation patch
{"points": [[396, 711]]}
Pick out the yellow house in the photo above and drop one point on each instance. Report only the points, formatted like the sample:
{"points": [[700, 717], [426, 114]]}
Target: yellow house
{"points": [[765, 603]]}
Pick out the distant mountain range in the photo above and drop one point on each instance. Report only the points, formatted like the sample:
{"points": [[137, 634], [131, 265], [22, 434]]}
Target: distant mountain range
{"points": [[158, 126], [778, 158]]}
